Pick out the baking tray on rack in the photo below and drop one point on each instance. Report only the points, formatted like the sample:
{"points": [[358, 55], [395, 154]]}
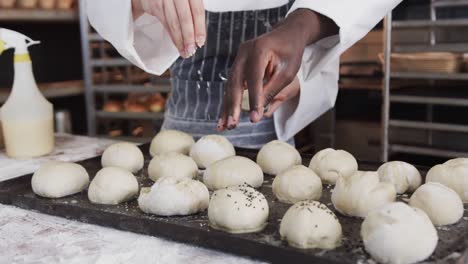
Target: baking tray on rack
{"points": [[265, 245]]}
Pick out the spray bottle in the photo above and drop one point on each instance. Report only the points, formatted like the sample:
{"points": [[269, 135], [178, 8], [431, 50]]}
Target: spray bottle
{"points": [[27, 116]]}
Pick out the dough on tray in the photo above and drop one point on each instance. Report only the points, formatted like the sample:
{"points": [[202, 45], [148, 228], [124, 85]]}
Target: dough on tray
{"points": [[171, 141], [233, 171], [404, 176], [310, 224], [123, 155], [398, 234], [238, 209], [113, 185], [172, 164], [210, 149], [174, 196], [453, 174], [439, 202], [360, 193], [330, 164], [277, 156], [57, 179], [296, 184]]}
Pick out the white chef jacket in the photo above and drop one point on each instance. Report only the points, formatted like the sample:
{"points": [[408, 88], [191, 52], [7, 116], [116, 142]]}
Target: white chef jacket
{"points": [[146, 44]]}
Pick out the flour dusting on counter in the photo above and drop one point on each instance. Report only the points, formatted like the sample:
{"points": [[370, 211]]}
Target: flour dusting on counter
{"points": [[69, 148], [30, 237]]}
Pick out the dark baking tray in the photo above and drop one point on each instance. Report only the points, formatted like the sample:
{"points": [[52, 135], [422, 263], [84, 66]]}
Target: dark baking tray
{"points": [[265, 245]]}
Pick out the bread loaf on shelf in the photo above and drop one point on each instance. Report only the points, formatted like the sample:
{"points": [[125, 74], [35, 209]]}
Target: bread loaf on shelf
{"points": [[65, 4], [47, 4], [7, 3], [27, 3]]}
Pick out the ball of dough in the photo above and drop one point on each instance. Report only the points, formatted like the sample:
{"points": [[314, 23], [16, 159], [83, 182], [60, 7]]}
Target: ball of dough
{"points": [[398, 234], [277, 156], [174, 196], [56, 179], [329, 164], [310, 224], [172, 164], [113, 185], [123, 155], [360, 193], [439, 202], [233, 171], [171, 141], [210, 149], [297, 183], [238, 209], [453, 174], [404, 176]]}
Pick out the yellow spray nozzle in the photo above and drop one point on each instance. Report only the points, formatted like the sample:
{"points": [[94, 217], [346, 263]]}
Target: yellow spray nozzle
{"points": [[2, 47], [22, 58]]}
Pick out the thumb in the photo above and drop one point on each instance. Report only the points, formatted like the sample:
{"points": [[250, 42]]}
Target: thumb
{"points": [[274, 105]]}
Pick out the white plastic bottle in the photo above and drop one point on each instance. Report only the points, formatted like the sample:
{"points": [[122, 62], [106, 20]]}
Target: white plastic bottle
{"points": [[27, 116], [2, 144]]}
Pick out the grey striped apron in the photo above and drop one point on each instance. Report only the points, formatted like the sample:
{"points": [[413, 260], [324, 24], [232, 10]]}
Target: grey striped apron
{"points": [[198, 82]]}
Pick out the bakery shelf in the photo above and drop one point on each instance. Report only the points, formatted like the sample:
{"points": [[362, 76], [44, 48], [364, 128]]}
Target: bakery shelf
{"points": [[428, 126], [109, 62], [430, 76], [108, 75], [53, 90], [428, 96], [139, 140], [445, 47], [38, 15], [428, 23], [130, 115], [123, 88], [427, 151], [95, 37], [449, 3], [429, 100]]}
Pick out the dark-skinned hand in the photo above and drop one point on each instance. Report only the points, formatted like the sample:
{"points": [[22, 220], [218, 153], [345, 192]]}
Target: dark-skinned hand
{"points": [[268, 64]]}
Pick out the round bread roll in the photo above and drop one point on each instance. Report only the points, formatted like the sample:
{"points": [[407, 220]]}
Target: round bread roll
{"points": [[404, 176], [113, 106], [277, 156], [233, 171], [297, 183], [329, 164], [210, 149], [113, 185], [172, 164], [135, 107], [174, 196], [453, 174], [123, 155], [57, 179], [360, 193], [310, 224], [238, 209], [440, 203], [171, 141], [398, 234]]}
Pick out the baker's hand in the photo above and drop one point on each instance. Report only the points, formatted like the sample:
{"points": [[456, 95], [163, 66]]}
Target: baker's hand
{"points": [[289, 92], [184, 20], [269, 63]]}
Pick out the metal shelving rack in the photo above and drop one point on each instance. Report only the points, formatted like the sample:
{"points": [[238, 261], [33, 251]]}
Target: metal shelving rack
{"points": [[388, 98], [96, 117], [38, 15]]}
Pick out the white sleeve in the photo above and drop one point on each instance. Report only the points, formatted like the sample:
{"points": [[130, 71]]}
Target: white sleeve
{"points": [[319, 72], [144, 42]]}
